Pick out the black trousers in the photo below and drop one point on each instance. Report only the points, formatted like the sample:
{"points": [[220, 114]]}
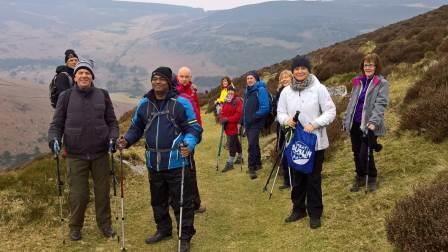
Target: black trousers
{"points": [[308, 187], [194, 182], [165, 185], [359, 148], [254, 156], [234, 145]]}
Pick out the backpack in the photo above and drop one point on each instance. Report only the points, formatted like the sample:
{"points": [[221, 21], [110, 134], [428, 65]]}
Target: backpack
{"points": [[167, 110], [270, 117], [301, 150], [54, 92]]}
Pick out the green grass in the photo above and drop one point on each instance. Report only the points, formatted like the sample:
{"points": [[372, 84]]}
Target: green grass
{"points": [[239, 216]]}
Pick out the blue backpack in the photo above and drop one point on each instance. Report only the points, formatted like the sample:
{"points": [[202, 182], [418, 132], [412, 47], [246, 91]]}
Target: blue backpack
{"points": [[301, 151]]}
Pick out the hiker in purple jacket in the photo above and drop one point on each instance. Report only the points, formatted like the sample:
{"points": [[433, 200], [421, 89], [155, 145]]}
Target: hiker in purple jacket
{"points": [[364, 118]]}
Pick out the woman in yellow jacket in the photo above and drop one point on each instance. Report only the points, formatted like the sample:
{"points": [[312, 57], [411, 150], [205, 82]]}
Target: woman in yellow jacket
{"points": [[225, 82]]}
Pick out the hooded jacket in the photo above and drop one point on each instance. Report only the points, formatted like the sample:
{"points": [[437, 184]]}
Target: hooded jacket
{"points": [[375, 103], [233, 111], [256, 106], [162, 136]]}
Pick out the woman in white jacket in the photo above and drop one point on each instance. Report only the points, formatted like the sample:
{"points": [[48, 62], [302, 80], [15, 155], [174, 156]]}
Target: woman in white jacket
{"points": [[317, 110]]}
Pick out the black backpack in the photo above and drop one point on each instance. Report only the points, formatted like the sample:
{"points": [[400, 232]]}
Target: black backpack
{"points": [[270, 117], [54, 92]]}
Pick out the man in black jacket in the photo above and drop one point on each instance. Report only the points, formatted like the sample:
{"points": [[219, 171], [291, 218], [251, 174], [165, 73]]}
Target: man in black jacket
{"points": [[85, 117], [64, 76]]}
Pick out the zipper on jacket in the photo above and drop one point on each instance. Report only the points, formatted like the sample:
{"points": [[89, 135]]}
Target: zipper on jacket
{"points": [[157, 144], [354, 108]]}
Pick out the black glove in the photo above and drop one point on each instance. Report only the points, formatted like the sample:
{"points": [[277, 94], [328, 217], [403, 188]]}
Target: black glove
{"points": [[55, 146], [373, 144], [113, 145]]}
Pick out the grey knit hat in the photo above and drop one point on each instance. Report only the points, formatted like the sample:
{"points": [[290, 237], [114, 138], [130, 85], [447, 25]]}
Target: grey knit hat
{"points": [[85, 64]]}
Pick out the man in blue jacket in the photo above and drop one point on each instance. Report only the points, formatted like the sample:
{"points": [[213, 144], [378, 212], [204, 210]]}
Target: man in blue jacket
{"points": [[167, 121], [255, 110]]}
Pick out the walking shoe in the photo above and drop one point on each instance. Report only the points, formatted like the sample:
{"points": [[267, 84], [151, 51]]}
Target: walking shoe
{"points": [[184, 246], [75, 235], [108, 232], [295, 216], [157, 237], [200, 209], [314, 223], [282, 187], [239, 160], [228, 167], [371, 184], [358, 182]]}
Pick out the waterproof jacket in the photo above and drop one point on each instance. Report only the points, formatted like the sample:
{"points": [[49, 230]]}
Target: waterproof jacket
{"points": [[86, 119], [232, 111], [187, 92], [375, 103], [164, 133], [315, 105], [256, 106], [222, 96]]}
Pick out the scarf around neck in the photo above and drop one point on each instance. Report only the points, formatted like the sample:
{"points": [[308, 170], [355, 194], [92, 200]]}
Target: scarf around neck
{"points": [[297, 85]]}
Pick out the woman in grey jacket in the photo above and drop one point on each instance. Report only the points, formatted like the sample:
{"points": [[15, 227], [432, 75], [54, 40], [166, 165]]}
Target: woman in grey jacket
{"points": [[364, 119]]}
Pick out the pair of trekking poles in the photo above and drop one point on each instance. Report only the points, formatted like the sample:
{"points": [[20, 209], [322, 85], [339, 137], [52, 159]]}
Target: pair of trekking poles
{"points": [[279, 159], [114, 182], [60, 185], [220, 146]]}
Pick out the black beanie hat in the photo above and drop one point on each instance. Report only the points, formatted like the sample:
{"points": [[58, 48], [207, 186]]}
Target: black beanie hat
{"points": [[300, 61], [254, 74], [164, 72], [70, 53]]}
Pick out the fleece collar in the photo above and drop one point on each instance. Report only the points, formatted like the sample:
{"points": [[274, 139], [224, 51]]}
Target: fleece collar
{"points": [[357, 80]]}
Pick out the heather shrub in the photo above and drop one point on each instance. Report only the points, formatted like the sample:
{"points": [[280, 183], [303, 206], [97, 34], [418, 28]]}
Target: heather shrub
{"points": [[425, 106], [419, 222]]}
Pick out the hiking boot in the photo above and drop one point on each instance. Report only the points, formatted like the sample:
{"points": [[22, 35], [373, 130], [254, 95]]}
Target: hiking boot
{"points": [[283, 187], [314, 223], [75, 235], [184, 246], [295, 216], [157, 237], [200, 209], [239, 160], [358, 182], [228, 167], [108, 232], [252, 174], [371, 184]]}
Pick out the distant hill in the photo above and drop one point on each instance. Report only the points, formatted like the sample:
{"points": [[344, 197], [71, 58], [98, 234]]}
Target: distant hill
{"points": [[25, 114], [128, 40]]}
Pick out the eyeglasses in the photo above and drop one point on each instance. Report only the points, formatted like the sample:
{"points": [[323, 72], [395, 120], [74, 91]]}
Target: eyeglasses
{"points": [[369, 65]]}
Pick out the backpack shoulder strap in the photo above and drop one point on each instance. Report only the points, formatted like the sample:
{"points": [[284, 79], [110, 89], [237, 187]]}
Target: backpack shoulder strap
{"points": [[70, 79], [170, 109]]}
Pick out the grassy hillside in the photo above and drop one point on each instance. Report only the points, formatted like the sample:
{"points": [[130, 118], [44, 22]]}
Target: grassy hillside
{"points": [[239, 216]]}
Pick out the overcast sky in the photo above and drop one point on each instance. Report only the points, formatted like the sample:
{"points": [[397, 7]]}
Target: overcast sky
{"points": [[206, 4]]}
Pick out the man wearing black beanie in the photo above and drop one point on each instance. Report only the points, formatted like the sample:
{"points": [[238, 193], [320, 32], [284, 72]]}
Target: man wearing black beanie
{"points": [[64, 76]]}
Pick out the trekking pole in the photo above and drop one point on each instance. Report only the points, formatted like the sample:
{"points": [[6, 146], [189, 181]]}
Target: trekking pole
{"points": [[241, 143], [219, 147], [122, 248], [265, 188], [60, 184], [181, 199], [288, 137], [114, 183], [367, 164]]}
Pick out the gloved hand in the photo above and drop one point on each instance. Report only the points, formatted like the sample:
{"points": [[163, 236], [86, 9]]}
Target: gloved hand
{"points": [[55, 146], [112, 145]]}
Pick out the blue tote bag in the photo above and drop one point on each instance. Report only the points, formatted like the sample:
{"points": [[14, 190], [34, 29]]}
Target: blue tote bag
{"points": [[301, 150]]}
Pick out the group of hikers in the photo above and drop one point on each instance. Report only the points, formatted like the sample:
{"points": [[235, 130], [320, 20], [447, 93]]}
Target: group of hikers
{"points": [[168, 117]]}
